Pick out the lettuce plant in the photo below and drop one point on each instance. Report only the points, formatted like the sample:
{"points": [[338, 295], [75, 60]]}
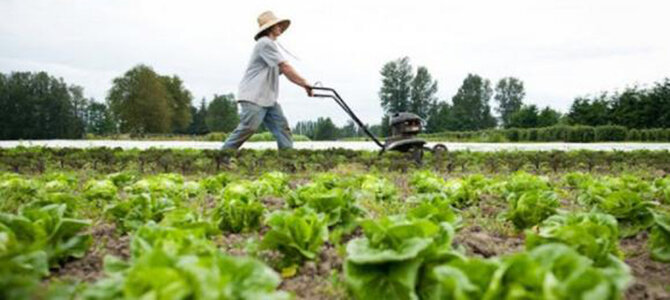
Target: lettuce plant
{"points": [[377, 188], [529, 208], [385, 263], [130, 214], [458, 278], [466, 191], [237, 215], [171, 263], [15, 191], [424, 182], [630, 209], [594, 235], [556, 271], [104, 190], [297, 234], [48, 229], [437, 210], [215, 184], [327, 197], [659, 239]]}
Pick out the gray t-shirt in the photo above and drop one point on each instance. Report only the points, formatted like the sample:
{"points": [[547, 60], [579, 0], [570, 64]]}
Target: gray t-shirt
{"points": [[260, 83]]}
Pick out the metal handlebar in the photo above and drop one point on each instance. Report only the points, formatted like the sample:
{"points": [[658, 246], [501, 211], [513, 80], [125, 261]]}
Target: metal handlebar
{"points": [[335, 96]]}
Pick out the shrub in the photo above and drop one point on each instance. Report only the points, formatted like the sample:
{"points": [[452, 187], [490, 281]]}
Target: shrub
{"points": [[610, 133]]}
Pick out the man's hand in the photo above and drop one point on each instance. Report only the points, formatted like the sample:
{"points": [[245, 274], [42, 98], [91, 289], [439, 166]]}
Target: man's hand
{"points": [[309, 90]]}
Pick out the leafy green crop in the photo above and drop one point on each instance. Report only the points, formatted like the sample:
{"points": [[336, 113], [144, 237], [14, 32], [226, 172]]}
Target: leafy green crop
{"points": [[594, 235], [170, 263], [630, 209], [659, 240], [662, 188], [104, 190], [15, 191], [437, 210], [467, 191], [425, 182], [459, 278], [377, 188], [132, 213], [238, 211], [529, 208], [298, 234], [34, 240], [385, 263], [530, 199], [48, 229], [556, 271], [329, 195], [215, 184]]}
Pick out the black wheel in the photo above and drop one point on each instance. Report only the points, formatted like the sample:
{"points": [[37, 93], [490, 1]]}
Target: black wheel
{"points": [[439, 147]]}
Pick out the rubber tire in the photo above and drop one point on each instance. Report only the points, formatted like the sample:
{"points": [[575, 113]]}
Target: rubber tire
{"points": [[439, 147]]}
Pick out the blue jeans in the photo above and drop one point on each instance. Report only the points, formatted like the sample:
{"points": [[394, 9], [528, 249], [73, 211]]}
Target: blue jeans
{"points": [[251, 117]]}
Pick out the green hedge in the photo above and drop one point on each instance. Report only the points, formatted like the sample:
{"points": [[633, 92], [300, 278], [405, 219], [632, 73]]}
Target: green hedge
{"points": [[559, 133]]}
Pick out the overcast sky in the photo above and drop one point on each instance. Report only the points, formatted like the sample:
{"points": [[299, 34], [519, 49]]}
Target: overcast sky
{"points": [[560, 49]]}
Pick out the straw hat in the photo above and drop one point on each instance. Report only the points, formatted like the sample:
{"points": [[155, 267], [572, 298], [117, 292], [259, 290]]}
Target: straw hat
{"points": [[267, 20]]}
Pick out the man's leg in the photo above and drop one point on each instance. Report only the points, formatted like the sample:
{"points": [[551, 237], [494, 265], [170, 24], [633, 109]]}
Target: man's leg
{"points": [[276, 122], [251, 117]]}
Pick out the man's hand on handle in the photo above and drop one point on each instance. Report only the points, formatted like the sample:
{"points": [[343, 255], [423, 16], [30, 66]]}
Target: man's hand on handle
{"points": [[310, 91]]}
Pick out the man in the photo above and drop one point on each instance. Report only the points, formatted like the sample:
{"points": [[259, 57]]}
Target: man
{"points": [[259, 88]]}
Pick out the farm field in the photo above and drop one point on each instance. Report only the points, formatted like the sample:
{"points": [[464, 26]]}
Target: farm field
{"points": [[350, 145], [107, 223]]}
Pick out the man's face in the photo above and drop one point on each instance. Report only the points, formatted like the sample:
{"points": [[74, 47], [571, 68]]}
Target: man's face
{"points": [[276, 30]]}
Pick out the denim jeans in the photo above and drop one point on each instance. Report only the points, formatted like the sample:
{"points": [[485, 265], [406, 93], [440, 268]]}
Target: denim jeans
{"points": [[251, 117]]}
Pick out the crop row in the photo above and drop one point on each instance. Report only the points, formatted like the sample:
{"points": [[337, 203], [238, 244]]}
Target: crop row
{"points": [[399, 253], [189, 161]]}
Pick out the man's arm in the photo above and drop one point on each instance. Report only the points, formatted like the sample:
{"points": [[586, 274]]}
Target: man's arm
{"points": [[293, 76]]}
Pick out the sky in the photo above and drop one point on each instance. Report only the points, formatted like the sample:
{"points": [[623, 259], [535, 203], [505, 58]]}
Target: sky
{"points": [[560, 49]]}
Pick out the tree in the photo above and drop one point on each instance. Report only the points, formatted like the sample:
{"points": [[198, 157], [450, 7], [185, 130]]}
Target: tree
{"points": [[98, 119], [509, 95], [198, 124], [591, 112], [548, 117], [180, 102], [37, 106], [79, 104], [325, 130], [471, 110], [140, 101], [348, 130], [440, 118], [306, 128], [526, 117], [222, 114], [396, 85], [659, 103], [422, 95]]}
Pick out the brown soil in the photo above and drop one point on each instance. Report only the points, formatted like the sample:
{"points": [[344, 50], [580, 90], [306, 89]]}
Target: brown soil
{"points": [[478, 242], [312, 280], [89, 268], [273, 203], [652, 279]]}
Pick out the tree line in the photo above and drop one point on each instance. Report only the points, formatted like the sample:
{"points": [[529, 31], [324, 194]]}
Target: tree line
{"points": [[470, 108], [142, 101]]}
